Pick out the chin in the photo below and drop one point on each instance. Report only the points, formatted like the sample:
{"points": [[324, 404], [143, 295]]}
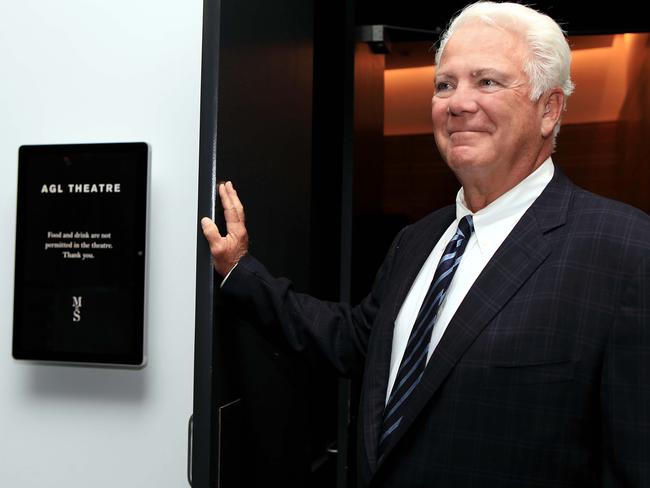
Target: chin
{"points": [[464, 159]]}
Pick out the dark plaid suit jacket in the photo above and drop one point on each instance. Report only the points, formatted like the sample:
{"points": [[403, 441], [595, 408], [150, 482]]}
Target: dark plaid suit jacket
{"points": [[542, 378]]}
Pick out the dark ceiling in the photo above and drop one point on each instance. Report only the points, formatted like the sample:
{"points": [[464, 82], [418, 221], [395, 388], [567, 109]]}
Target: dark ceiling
{"points": [[575, 17]]}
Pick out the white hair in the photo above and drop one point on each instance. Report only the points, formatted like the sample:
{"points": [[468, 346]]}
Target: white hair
{"points": [[548, 64]]}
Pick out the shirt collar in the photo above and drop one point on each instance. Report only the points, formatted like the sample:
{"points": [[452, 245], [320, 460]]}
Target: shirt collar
{"points": [[512, 204]]}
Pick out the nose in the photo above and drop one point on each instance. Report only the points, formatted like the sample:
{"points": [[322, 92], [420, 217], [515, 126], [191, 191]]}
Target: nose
{"points": [[462, 100]]}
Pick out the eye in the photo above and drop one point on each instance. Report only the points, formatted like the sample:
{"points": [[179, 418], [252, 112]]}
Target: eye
{"points": [[488, 83], [442, 87]]}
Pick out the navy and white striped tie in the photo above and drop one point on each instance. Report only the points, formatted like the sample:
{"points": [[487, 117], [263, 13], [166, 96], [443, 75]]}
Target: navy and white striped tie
{"points": [[415, 356]]}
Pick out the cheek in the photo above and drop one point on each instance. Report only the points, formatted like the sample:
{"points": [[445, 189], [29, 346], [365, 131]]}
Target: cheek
{"points": [[438, 116], [441, 142]]}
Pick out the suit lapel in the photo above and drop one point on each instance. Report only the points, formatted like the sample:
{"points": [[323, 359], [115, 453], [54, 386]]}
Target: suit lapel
{"points": [[376, 377], [515, 261]]}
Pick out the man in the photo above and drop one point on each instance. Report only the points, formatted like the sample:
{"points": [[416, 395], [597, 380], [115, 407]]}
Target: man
{"points": [[506, 339]]}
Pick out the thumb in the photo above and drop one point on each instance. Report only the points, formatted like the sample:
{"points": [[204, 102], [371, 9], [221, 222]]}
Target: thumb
{"points": [[210, 230]]}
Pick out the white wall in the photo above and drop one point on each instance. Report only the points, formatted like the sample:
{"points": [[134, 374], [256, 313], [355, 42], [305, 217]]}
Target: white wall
{"points": [[75, 71]]}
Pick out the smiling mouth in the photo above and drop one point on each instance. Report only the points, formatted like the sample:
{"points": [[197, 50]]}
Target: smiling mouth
{"points": [[465, 138], [463, 133], [460, 131]]}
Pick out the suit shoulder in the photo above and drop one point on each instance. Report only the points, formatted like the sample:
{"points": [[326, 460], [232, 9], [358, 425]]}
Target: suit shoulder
{"points": [[611, 214], [614, 228]]}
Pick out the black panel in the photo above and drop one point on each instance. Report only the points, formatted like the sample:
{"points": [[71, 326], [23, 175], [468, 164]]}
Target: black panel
{"points": [[272, 412], [575, 17], [264, 146], [331, 235], [80, 253], [203, 423]]}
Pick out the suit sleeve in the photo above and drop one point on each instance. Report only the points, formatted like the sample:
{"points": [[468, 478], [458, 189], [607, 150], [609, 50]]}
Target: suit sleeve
{"points": [[337, 331], [625, 393]]}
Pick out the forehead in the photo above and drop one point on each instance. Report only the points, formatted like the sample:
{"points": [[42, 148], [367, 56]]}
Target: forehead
{"points": [[478, 46]]}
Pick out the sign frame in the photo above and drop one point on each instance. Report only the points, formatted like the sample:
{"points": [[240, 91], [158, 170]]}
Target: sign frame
{"points": [[81, 254]]}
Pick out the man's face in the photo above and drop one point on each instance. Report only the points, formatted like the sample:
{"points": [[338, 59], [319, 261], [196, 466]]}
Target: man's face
{"points": [[485, 125]]}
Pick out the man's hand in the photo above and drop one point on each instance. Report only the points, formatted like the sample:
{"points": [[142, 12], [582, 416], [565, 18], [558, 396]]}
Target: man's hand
{"points": [[229, 249]]}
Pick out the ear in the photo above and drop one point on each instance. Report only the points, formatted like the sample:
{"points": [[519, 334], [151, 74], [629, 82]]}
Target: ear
{"points": [[552, 107]]}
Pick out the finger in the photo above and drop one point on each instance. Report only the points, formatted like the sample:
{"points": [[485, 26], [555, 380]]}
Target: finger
{"points": [[223, 195], [234, 198], [210, 231], [229, 211], [234, 224]]}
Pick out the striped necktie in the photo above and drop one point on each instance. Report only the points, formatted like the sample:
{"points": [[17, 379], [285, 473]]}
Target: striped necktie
{"points": [[417, 348]]}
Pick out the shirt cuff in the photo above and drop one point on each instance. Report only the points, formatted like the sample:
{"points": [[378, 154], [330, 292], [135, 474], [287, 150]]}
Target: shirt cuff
{"points": [[226, 277]]}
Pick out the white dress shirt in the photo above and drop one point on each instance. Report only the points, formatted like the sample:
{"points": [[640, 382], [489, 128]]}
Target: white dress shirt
{"points": [[492, 225]]}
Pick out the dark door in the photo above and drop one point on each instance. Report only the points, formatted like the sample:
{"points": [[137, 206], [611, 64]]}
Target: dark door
{"points": [[264, 415]]}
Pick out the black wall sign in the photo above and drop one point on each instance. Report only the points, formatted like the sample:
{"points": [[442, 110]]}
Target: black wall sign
{"points": [[80, 253]]}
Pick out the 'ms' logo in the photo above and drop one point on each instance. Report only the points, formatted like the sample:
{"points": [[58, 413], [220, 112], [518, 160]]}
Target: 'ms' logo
{"points": [[76, 309]]}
